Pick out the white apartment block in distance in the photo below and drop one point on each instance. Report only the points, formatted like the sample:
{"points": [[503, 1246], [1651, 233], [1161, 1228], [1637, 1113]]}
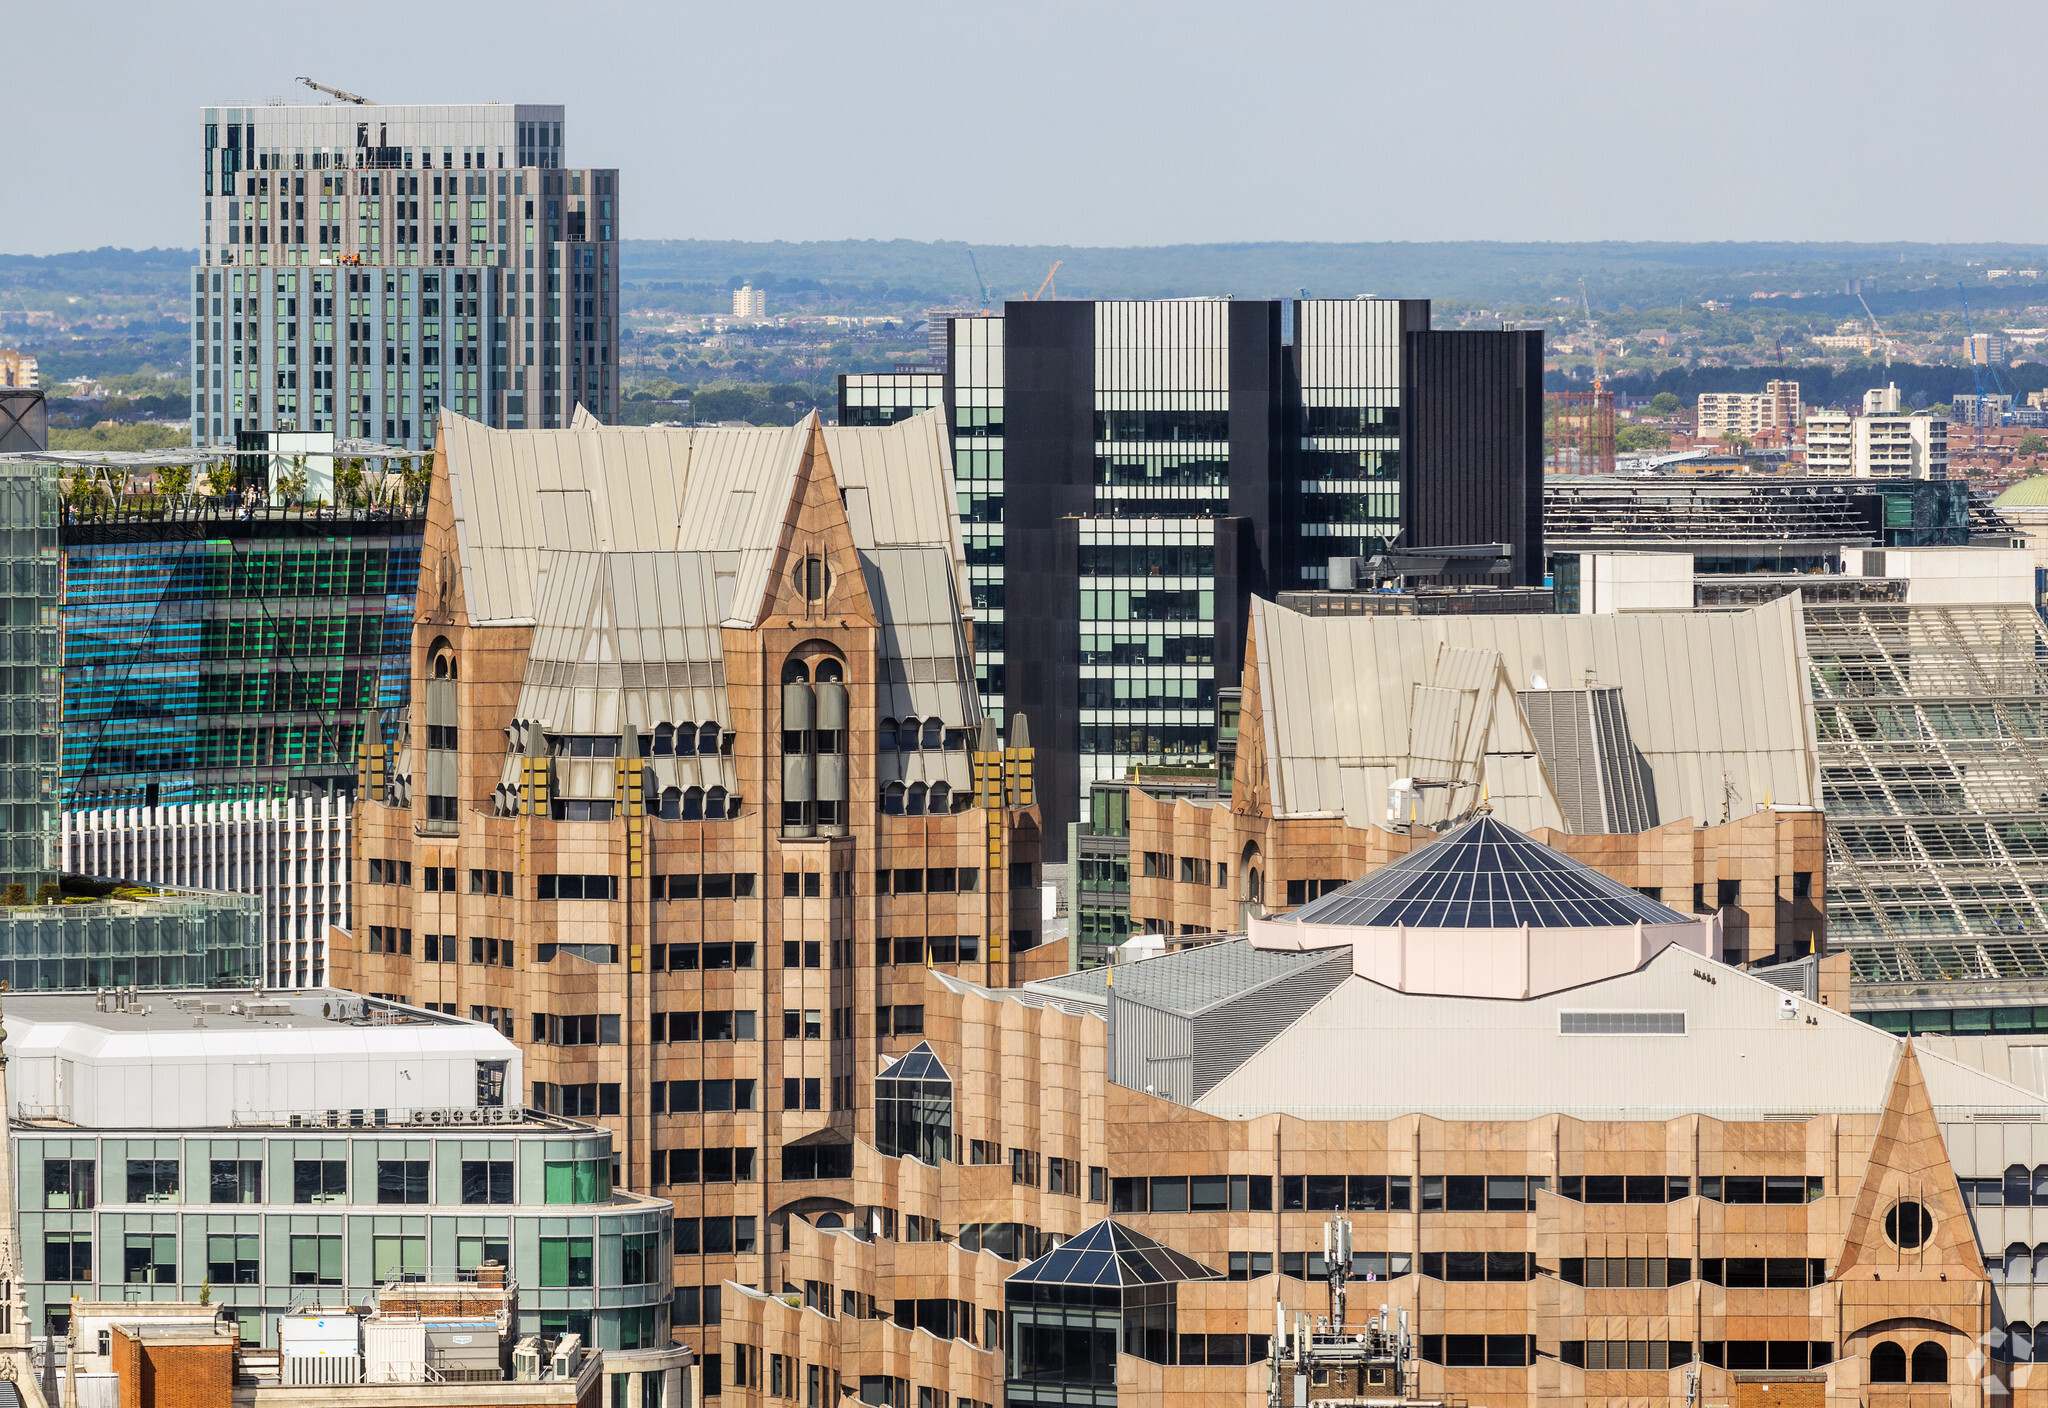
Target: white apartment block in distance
{"points": [[749, 302], [364, 266], [292, 852], [1882, 443], [1776, 407]]}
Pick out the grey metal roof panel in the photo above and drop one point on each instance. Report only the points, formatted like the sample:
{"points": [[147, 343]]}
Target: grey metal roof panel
{"points": [[1111, 1254], [1195, 980], [1715, 704], [1484, 875]]}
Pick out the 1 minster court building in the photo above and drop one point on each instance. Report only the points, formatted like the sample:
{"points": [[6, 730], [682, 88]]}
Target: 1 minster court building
{"points": [[691, 794]]}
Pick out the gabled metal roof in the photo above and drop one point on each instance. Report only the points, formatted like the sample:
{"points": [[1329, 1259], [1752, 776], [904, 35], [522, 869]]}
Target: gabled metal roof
{"points": [[1111, 1254], [1485, 875]]}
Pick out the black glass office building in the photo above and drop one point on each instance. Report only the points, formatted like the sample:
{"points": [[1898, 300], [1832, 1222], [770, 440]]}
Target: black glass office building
{"points": [[1137, 470]]}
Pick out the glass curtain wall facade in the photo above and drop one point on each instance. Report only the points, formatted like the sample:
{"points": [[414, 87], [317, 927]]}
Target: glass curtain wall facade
{"points": [[237, 666], [914, 1108], [1347, 424], [30, 669], [364, 266], [883, 398], [976, 375]]}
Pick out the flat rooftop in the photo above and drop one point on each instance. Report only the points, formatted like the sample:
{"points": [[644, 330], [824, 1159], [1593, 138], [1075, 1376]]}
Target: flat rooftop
{"points": [[229, 1008]]}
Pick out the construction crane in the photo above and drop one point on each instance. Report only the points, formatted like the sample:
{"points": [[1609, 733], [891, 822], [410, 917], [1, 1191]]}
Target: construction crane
{"points": [[1047, 287], [979, 282], [1876, 331], [342, 93], [1978, 369]]}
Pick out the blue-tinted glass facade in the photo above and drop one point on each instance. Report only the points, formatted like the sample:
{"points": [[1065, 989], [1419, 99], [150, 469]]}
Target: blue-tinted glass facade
{"points": [[227, 658]]}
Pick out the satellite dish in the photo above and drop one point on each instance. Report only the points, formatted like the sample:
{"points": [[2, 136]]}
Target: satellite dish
{"points": [[1537, 682]]}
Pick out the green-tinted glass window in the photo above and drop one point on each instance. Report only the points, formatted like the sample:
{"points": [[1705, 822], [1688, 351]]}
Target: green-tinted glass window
{"points": [[565, 1261]]}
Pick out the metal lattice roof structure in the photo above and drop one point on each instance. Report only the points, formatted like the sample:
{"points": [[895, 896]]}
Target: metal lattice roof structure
{"points": [[1111, 1254], [1192, 981], [1485, 875]]}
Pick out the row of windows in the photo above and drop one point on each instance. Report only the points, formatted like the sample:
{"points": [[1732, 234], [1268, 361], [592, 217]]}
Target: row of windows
{"points": [[1142, 650], [709, 958], [72, 1183], [930, 949], [689, 1097], [733, 1025], [723, 1165], [1337, 1192], [738, 884], [1106, 604], [1147, 560]]}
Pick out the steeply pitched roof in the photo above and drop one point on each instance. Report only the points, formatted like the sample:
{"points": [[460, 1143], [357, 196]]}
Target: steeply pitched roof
{"points": [[1111, 1254], [719, 490], [1715, 704], [1485, 875]]}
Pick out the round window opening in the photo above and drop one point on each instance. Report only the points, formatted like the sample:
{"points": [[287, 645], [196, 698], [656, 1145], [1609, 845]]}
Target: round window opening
{"points": [[1908, 1225]]}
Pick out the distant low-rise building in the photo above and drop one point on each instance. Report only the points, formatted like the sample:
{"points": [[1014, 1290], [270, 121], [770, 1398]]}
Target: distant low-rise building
{"points": [[1981, 349], [1881, 443], [1776, 407]]}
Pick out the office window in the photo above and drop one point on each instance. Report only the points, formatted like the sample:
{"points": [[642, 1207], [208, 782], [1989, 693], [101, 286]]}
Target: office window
{"points": [[69, 1183], [319, 1180], [67, 1256], [402, 1181], [152, 1180], [579, 1181], [231, 1260], [398, 1259], [487, 1181], [565, 1261], [236, 1181], [316, 1261], [150, 1259]]}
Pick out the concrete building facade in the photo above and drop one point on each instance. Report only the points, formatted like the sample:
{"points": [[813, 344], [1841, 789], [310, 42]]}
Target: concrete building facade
{"points": [[1746, 413]]}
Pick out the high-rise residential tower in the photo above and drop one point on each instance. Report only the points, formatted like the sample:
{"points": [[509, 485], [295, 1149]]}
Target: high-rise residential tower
{"points": [[1135, 471], [364, 265]]}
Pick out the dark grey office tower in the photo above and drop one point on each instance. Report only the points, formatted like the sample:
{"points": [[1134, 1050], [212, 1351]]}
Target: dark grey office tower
{"points": [[1131, 473]]}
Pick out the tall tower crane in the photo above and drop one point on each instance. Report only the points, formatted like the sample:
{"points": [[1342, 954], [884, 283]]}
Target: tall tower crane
{"points": [[341, 93], [1876, 331], [1978, 369]]}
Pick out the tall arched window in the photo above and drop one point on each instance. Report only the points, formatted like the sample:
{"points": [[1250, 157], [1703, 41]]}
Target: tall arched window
{"points": [[830, 671], [714, 804], [934, 733], [707, 738], [941, 801], [892, 799], [917, 795], [693, 804], [664, 740], [1930, 1363], [2019, 1263], [1887, 1363], [671, 804]]}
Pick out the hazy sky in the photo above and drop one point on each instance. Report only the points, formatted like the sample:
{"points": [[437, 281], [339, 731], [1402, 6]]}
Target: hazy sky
{"points": [[1105, 123]]}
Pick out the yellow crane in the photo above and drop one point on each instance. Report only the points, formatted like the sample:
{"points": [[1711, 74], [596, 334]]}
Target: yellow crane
{"points": [[1047, 287]]}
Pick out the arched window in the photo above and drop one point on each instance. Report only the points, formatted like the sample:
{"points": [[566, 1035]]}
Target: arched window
{"points": [[2019, 1342], [794, 672], [2019, 1262], [1887, 1363], [941, 802], [934, 733], [714, 804], [1930, 1363], [686, 739], [830, 1221], [906, 735], [885, 737], [707, 739], [440, 667], [671, 804], [693, 804], [664, 740], [2019, 1186], [830, 671], [917, 795], [892, 799]]}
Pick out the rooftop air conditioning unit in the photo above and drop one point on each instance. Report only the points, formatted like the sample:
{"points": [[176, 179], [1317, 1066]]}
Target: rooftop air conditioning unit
{"points": [[526, 1360], [568, 1356]]}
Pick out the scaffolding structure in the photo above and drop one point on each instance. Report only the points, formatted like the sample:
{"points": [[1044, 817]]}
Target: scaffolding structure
{"points": [[1581, 431], [1931, 724]]}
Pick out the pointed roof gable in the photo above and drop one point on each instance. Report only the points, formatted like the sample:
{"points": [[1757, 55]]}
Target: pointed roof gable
{"points": [[1908, 1165]]}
